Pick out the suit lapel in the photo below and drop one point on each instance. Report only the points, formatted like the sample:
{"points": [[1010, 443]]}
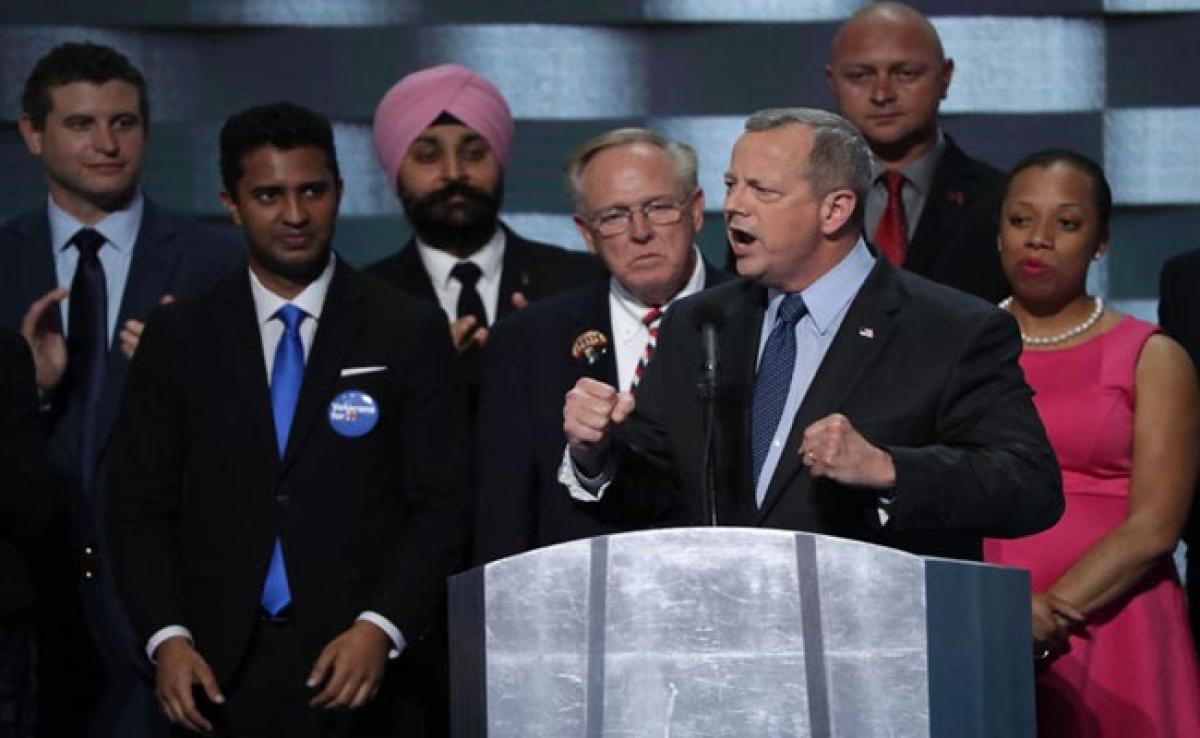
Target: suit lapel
{"points": [[591, 313], [410, 274], [515, 275], [735, 392], [949, 199], [341, 318], [35, 259], [152, 270], [245, 362], [861, 337]]}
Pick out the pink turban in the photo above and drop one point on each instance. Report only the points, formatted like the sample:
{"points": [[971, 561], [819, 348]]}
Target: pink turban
{"points": [[417, 100]]}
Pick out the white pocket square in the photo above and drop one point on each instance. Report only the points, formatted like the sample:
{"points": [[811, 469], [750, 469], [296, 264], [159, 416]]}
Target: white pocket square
{"points": [[354, 371]]}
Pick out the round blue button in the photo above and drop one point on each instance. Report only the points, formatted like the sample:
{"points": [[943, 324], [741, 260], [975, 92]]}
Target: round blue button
{"points": [[353, 414]]}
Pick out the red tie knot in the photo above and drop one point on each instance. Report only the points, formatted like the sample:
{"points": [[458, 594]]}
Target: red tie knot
{"points": [[651, 317], [894, 182]]}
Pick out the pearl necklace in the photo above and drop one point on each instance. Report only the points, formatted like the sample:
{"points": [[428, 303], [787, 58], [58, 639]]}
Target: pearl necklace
{"points": [[1070, 333]]}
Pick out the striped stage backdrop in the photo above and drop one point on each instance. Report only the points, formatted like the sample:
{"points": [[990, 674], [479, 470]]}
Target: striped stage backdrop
{"points": [[1113, 78]]}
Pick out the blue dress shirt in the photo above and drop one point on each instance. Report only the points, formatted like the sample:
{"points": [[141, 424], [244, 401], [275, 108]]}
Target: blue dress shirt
{"points": [[828, 299], [120, 230]]}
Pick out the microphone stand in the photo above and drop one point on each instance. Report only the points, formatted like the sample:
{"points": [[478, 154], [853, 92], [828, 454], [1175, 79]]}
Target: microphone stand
{"points": [[706, 388]]}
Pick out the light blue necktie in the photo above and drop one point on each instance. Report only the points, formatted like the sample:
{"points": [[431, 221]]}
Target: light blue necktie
{"points": [[287, 374], [774, 379]]}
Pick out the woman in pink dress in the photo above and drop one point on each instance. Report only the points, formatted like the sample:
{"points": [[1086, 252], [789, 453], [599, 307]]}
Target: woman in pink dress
{"points": [[1120, 404]]}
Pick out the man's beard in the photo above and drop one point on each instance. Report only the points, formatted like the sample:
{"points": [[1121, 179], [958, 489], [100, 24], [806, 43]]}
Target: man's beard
{"points": [[460, 228]]}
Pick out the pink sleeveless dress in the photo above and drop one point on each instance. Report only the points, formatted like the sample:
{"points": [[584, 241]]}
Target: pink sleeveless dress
{"points": [[1132, 670]]}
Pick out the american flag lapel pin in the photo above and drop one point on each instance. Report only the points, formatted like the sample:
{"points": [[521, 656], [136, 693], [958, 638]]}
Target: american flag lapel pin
{"points": [[866, 332]]}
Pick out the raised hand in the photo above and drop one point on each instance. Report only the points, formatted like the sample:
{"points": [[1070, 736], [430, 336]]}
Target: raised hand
{"points": [[591, 411]]}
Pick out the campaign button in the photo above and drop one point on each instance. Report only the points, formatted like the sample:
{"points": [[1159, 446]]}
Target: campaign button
{"points": [[353, 414]]}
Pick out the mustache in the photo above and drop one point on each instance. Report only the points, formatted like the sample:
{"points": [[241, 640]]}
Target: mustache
{"points": [[455, 189]]}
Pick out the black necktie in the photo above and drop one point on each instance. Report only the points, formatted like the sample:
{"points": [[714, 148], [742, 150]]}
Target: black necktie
{"points": [[469, 301], [87, 344]]}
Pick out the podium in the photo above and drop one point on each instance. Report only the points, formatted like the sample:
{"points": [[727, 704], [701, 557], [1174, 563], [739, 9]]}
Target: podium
{"points": [[739, 632]]}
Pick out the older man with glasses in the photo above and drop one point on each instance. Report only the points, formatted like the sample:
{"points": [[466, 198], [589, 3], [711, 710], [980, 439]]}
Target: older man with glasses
{"points": [[638, 207]]}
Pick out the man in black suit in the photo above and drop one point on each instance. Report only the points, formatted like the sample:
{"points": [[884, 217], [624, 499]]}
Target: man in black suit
{"points": [[1179, 315], [85, 116], [27, 504], [637, 206], [854, 399], [286, 495], [889, 75], [443, 136]]}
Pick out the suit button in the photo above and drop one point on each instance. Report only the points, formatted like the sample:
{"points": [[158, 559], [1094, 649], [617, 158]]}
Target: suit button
{"points": [[284, 499]]}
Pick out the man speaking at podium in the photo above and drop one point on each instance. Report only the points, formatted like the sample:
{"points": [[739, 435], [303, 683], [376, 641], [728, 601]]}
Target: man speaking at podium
{"points": [[851, 398]]}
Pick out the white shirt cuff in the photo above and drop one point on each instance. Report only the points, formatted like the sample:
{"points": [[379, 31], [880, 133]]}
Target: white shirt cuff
{"points": [[580, 486], [393, 633], [161, 637], [883, 507]]}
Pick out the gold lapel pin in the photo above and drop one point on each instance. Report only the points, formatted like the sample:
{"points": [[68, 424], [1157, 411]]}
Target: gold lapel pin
{"points": [[589, 346]]}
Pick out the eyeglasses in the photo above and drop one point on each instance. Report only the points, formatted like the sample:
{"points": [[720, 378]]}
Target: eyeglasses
{"points": [[615, 221]]}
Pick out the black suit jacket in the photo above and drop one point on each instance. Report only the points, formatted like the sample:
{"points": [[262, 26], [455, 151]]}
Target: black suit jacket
{"points": [[955, 240], [528, 369], [85, 633], [27, 500], [923, 371], [1179, 316], [173, 255], [534, 269], [199, 491]]}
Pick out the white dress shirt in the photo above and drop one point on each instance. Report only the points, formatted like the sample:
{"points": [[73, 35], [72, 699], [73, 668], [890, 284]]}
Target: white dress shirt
{"points": [[266, 305], [489, 259], [629, 333]]}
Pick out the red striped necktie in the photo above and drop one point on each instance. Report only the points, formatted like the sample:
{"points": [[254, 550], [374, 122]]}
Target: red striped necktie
{"points": [[650, 320]]}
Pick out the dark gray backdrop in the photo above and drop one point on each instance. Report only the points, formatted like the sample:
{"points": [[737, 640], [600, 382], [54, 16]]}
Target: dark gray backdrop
{"points": [[1115, 79]]}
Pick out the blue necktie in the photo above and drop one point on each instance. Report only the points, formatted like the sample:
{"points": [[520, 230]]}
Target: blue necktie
{"points": [[774, 379], [287, 374]]}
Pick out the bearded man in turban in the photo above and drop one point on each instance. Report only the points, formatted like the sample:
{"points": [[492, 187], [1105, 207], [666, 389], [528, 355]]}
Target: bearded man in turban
{"points": [[443, 136]]}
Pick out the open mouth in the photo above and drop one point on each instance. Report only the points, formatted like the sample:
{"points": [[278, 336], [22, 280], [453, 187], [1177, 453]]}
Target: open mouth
{"points": [[740, 237]]}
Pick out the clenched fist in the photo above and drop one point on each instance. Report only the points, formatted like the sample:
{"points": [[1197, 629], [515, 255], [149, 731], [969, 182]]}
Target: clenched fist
{"points": [[832, 448], [591, 411]]}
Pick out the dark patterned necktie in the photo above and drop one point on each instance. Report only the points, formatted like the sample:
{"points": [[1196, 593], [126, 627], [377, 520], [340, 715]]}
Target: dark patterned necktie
{"points": [[774, 379]]}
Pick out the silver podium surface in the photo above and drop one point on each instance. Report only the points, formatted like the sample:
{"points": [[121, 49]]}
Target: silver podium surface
{"points": [[741, 633]]}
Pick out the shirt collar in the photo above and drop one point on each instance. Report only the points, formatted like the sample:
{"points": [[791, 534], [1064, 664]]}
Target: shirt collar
{"points": [[637, 308], [489, 258], [829, 295], [119, 228], [919, 172], [311, 299]]}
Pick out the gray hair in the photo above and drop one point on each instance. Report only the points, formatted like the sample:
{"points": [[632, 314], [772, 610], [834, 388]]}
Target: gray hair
{"points": [[682, 156], [840, 157]]}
